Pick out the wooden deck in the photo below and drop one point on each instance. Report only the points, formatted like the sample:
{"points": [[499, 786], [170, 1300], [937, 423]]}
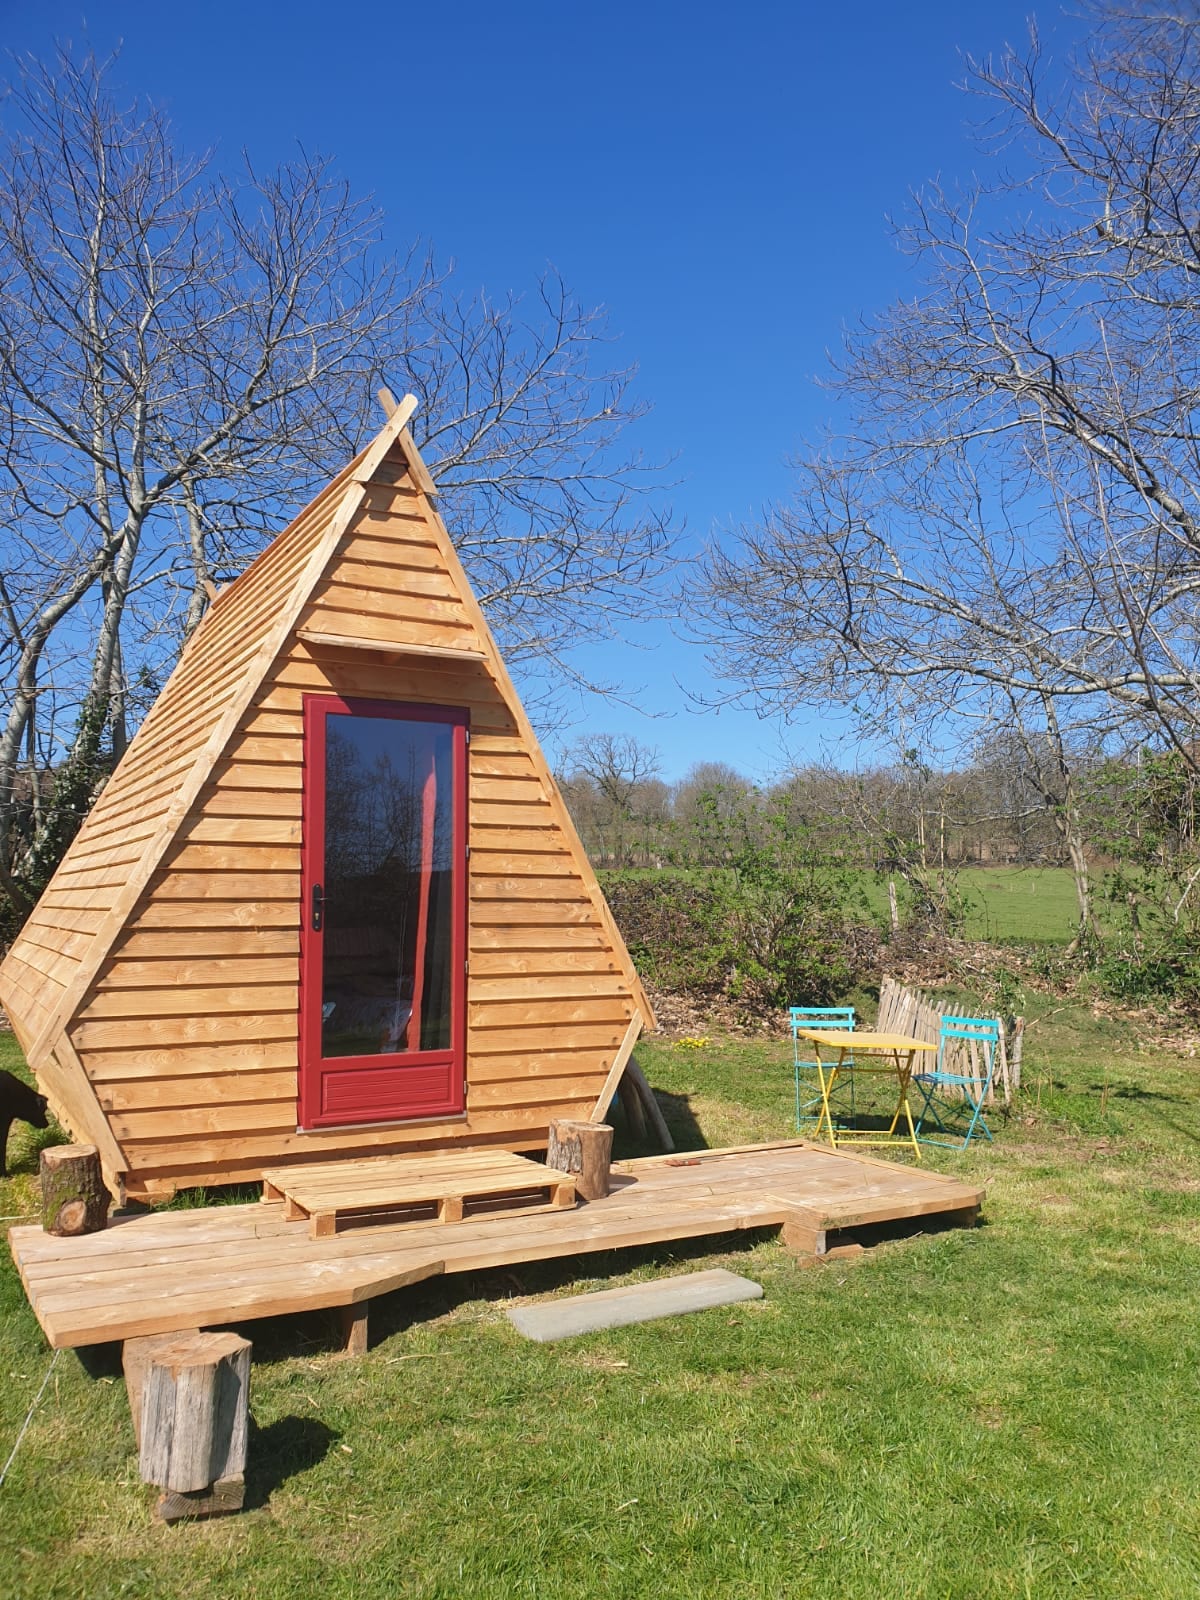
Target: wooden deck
{"points": [[159, 1272]]}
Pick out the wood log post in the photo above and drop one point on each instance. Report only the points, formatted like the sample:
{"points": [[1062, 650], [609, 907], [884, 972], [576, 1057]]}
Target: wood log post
{"points": [[585, 1149], [1017, 1037], [74, 1199], [195, 1413], [136, 1355]]}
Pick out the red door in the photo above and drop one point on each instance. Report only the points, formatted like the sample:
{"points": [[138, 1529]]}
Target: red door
{"points": [[383, 912]]}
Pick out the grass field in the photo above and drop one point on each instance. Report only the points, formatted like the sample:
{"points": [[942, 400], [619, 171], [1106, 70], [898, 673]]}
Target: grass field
{"points": [[1007, 905], [1010, 1411]]}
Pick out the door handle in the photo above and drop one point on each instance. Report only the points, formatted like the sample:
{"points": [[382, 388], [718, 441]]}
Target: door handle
{"points": [[318, 907]]}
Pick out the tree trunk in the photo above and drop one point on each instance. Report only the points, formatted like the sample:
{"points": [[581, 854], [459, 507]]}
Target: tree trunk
{"points": [[893, 907], [74, 1199], [195, 1411], [583, 1148]]}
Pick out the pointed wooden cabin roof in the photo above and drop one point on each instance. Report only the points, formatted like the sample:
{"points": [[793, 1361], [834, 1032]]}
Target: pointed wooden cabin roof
{"points": [[46, 978]]}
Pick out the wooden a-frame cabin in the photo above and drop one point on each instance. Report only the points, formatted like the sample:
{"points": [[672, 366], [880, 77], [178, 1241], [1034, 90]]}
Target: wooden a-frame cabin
{"points": [[330, 903]]}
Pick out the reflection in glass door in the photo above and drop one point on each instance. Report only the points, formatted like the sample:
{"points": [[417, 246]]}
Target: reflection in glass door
{"points": [[383, 928]]}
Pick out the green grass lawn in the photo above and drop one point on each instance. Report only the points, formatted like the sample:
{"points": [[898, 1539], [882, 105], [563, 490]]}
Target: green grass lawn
{"points": [[1008, 1411], [1006, 905]]}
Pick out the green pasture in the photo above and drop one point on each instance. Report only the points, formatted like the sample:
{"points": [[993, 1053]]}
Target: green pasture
{"points": [[1006, 905], [1007, 1411]]}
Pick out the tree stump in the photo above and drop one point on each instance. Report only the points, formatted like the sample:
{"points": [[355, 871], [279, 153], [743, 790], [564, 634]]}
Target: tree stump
{"points": [[583, 1148], [195, 1412], [74, 1199]]}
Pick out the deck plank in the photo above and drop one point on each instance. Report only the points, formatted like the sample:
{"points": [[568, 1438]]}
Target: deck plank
{"points": [[177, 1269]]}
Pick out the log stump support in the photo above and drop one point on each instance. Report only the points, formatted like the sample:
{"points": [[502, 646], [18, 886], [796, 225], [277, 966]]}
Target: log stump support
{"points": [[195, 1418], [584, 1149], [136, 1355], [74, 1198]]}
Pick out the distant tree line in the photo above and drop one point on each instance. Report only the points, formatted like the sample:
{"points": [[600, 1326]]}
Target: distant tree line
{"points": [[717, 849]]}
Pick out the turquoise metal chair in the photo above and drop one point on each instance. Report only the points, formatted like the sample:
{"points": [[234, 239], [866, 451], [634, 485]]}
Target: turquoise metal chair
{"points": [[808, 1087], [976, 1035]]}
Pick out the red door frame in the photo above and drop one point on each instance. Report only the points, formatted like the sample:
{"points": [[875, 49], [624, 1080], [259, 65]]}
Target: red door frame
{"points": [[311, 1066]]}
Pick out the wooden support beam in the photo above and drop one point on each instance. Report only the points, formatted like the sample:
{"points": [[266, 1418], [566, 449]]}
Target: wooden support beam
{"points": [[617, 1070], [353, 1328], [803, 1234]]}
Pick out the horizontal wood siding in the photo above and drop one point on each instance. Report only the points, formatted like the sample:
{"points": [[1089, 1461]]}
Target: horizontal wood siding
{"points": [[189, 1035]]}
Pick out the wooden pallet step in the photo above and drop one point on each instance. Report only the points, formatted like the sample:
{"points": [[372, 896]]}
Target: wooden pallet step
{"points": [[373, 1190]]}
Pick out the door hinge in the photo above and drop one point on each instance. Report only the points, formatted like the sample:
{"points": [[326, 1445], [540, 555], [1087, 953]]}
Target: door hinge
{"points": [[467, 731]]}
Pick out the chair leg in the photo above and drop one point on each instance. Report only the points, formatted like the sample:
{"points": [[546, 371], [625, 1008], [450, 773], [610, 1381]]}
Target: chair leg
{"points": [[928, 1108], [977, 1120]]}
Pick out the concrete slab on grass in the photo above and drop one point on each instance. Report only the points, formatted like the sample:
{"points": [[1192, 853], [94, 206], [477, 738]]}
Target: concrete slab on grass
{"points": [[637, 1302]]}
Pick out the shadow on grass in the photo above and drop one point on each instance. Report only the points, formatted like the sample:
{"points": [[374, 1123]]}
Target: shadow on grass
{"points": [[1133, 1091], [438, 1297], [679, 1118], [282, 1449]]}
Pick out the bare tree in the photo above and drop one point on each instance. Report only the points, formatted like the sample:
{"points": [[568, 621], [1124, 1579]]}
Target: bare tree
{"points": [[1009, 537], [185, 356], [611, 783]]}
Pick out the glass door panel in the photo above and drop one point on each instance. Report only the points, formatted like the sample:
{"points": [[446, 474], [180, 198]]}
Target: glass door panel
{"points": [[384, 923]]}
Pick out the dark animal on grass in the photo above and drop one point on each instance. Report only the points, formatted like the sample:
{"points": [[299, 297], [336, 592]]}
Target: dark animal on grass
{"points": [[18, 1102]]}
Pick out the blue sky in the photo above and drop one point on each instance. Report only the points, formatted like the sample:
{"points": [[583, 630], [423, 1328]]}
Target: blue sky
{"points": [[719, 178]]}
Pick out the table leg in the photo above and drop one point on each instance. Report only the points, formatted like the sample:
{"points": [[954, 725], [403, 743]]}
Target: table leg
{"points": [[827, 1082], [904, 1075]]}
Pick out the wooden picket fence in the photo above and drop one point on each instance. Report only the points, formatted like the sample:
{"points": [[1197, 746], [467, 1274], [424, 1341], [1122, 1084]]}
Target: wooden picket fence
{"points": [[910, 1012]]}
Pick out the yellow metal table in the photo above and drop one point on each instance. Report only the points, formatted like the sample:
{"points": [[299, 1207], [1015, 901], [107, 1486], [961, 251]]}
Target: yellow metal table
{"points": [[894, 1055]]}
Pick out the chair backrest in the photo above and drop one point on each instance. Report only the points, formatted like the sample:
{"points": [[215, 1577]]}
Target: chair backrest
{"points": [[828, 1017], [984, 1031], [836, 1019]]}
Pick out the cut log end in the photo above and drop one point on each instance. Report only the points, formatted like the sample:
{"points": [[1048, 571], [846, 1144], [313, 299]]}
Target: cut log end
{"points": [[74, 1198]]}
